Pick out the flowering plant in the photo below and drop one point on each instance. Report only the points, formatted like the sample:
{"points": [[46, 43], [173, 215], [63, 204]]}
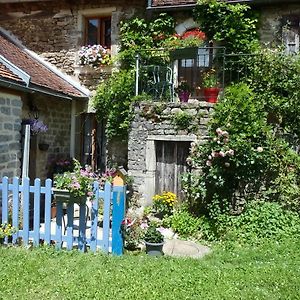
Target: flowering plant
{"points": [[94, 55], [191, 38], [210, 79], [6, 230], [153, 234], [79, 182], [164, 203], [36, 126], [183, 87]]}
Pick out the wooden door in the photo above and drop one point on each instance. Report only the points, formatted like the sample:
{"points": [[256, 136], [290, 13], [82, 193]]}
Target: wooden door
{"points": [[170, 165]]}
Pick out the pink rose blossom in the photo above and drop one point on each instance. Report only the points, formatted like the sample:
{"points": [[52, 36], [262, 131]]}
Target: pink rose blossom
{"points": [[208, 163], [222, 154], [219, 131]]}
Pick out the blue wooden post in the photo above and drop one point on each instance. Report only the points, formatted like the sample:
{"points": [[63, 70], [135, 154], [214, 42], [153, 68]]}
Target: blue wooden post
{"points": [[106, 216], [15, 218], [36, 210], [118, 214], [25, 196], [48, 199]]}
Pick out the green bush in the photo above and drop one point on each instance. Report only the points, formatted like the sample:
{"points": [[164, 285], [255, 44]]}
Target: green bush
{"points": [[234, 25], [259, 221], [187, 225], [113, 101]]}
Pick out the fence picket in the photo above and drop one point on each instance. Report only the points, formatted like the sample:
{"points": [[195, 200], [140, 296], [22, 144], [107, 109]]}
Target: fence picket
{"points": [[36, 210], [106, 216], [70, 215], [21, 194], [5, 199], [15, 206], [94, 217], [48, 197], [58, 233], [82, 228], [25, 231]]}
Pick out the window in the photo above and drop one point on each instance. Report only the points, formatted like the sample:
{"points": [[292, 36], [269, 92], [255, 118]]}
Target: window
{"points": [[98, 31]]}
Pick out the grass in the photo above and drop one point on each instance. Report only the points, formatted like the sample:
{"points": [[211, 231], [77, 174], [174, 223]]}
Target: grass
{"points": [[268, 271]]}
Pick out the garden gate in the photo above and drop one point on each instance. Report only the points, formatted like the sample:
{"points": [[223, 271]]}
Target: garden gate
{"points": [[28, 209]]}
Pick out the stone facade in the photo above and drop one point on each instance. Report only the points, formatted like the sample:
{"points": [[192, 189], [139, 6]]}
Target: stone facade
{"points": [[154, 122], [56, 114], [271, 21], [10, 126], [57, 34]]}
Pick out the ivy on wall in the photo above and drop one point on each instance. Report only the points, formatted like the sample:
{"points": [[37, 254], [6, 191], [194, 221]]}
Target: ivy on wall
{"points": [[232, 25]]}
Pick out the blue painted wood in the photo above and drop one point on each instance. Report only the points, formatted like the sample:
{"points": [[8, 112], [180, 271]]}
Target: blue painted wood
{"points": [[36, 210], [59, 214], [94, 218], [15, 207], [5, 200], [118, 214], [106, 216], [48, 201], [82, 227], [25, 194], [70, 216], [22, 192]]}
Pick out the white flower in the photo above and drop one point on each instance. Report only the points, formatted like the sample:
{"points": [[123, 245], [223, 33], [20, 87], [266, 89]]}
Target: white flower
{"points": [[259, 149], [222, 154]]}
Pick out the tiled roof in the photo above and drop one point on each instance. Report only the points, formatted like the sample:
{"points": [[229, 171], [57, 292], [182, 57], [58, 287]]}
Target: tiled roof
{"points": [[6, 73], [39, 74]]}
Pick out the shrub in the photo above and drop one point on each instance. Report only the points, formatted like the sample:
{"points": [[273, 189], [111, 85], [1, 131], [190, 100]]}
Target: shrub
{"points": [[113, 101], [187, 225], [260, 220]]}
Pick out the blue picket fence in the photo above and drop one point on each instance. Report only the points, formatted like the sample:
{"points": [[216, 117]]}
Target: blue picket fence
{"points": [[30, 209]]}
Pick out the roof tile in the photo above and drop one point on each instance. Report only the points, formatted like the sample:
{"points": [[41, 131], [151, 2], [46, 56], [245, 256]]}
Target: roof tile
{"points": [[39, 74], [8, 74]]}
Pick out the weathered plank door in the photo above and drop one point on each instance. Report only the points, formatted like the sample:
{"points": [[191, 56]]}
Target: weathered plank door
{"points": [[170, 165]]}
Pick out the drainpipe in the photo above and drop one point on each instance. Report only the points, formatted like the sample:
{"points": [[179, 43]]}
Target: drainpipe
{"points": [[73, 131]]}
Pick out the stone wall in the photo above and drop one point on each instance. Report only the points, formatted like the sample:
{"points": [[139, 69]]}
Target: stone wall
{"points": [[56, 114], [155, 121], [271, 21], [57, 34], [10, 126]]}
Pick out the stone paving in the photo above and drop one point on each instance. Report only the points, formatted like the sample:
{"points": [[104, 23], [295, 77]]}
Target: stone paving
{"points": [[180, 248]]}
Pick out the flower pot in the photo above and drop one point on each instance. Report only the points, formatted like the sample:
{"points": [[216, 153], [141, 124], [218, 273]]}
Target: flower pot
{"points": [[184, 96], [154, 249], [66, 197], [184, 53], [211, 94]]}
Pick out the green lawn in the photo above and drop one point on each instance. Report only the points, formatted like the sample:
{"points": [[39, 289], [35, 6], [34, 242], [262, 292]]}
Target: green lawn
{"points": [[269, 271]]}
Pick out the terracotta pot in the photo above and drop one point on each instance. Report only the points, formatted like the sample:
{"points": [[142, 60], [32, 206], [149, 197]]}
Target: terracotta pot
{"points": [[211, 94]]}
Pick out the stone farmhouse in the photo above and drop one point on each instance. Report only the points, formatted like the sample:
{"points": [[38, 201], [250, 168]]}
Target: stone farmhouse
{"points": [[47, 34]]}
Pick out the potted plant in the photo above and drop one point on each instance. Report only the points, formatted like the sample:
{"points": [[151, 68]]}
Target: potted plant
{"points": [[186, 45], [164, 203], [154, 241], [210, 86], [74, 186], [183, 91], [94, 56]]}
